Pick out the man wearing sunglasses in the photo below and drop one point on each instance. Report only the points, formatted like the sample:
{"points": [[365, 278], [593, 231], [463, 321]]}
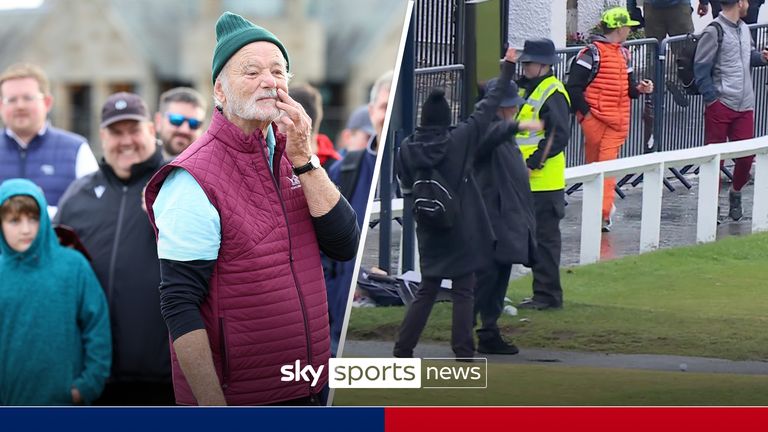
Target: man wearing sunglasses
{"points": [[179, 120]]}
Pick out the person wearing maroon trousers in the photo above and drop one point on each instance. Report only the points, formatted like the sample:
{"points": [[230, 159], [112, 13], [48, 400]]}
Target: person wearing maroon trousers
{"points": [[722, 72]]}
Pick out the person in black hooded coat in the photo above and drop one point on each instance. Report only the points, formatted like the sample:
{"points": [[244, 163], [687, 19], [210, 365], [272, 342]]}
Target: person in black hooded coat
{"points": [[502, 176], [458, 252]]}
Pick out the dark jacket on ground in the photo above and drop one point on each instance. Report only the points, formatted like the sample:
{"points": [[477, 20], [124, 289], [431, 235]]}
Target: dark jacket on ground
{"points": [[106, 213], [503, 180], [467, 246]]}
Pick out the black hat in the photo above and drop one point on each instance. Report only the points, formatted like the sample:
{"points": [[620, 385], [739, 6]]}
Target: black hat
{"points": [[435, 111], [123, 106], [509, 99], [540, 51]]}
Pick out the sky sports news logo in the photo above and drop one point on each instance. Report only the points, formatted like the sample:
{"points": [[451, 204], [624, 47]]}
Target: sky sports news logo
{"points": [[405, 373]]}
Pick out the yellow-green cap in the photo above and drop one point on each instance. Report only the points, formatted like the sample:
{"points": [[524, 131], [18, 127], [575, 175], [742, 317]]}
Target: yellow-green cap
{"points": [[618, 17], [234, 32]]}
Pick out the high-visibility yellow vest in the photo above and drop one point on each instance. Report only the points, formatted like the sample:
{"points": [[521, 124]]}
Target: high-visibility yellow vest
{"points": [[552, 174]]}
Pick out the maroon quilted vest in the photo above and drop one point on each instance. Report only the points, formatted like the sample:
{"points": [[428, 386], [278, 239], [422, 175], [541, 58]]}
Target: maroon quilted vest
{"points": [[266, 305]]}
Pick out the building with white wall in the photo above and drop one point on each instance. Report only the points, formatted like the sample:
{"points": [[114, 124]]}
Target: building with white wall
{"points": [[556, 19]]}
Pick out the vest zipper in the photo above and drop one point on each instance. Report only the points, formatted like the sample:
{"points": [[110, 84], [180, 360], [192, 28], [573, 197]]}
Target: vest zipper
{"points": [[276, 169], [113, 259], [224, 355], [744, 71], [23, 156]]}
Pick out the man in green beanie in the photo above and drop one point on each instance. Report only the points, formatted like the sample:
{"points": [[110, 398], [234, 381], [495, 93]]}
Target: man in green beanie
{"points": [[241, 217]]}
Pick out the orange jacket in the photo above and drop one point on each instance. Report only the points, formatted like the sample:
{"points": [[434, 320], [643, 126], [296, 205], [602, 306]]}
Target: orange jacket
{"points": [[608, 94]]}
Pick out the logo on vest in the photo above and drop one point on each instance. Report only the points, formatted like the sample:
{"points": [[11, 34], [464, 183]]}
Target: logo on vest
{"points": [[99, 191], [47, 169], [295, 182]]}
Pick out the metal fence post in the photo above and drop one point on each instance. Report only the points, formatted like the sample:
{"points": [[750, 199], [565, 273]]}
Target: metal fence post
{"points": [[504, 15], [385, 219], [408, 98], [658, 97], [469, 55]]}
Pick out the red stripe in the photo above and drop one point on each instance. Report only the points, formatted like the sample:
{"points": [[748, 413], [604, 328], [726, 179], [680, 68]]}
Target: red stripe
{"points": [[592, 419]]}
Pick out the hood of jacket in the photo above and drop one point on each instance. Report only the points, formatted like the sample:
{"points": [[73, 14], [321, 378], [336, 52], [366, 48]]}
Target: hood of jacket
{"points": [[427, 146], [45, 240]]}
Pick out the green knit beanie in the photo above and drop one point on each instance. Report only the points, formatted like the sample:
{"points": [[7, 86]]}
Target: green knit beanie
{"points": [[234, 32]]}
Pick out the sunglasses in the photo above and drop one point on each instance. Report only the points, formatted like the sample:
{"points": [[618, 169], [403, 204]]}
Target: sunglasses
{"points": [[178, 120]]}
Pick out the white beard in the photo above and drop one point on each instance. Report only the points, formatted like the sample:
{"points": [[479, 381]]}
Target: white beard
{"points": [[250, 108]]}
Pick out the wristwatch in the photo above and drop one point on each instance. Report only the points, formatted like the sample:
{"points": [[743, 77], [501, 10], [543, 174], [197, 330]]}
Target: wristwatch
{"points": [[314, 163]]}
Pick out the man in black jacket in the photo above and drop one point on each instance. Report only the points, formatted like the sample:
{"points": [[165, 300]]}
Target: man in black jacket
{"points": [[105, 210], [503, 180]]}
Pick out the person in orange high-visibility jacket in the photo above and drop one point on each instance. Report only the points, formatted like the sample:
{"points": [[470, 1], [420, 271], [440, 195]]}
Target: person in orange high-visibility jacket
{"points": [[601, 84]]}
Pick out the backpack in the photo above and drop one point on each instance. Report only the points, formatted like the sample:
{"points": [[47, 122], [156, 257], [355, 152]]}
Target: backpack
{"points": [[435, 202], [595, 60], [687, 55]]}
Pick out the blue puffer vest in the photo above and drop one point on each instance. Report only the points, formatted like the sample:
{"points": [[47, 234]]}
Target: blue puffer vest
{"points": [[49, 160]]}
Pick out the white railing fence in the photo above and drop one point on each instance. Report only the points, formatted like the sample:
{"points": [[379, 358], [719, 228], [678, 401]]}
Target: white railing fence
{"points": [[653, 166]]}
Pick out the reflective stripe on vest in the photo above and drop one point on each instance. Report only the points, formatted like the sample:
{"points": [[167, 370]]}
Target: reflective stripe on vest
{"points": [[551, 176]]}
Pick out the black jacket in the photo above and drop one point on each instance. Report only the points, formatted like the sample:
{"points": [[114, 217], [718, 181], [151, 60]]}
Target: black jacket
{"points": [[503, 180], [468, 246], [106, 213]]}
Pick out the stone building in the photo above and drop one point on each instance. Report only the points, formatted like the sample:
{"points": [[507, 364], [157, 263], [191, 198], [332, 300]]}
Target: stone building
{"points": [[91, 48]]}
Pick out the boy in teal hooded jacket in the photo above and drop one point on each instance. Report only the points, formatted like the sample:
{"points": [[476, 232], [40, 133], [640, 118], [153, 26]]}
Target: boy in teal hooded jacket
{"points": [[55, 342]]}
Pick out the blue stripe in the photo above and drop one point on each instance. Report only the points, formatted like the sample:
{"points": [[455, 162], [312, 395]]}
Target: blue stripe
{"points": [[187, 419]]}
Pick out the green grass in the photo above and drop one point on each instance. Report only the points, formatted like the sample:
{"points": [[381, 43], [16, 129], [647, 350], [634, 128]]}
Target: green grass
{"points": [[558, 385], [709, 301]]}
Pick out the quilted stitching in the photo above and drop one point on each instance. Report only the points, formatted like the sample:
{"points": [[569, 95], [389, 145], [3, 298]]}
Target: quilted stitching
{"points": [[253, 289]]}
